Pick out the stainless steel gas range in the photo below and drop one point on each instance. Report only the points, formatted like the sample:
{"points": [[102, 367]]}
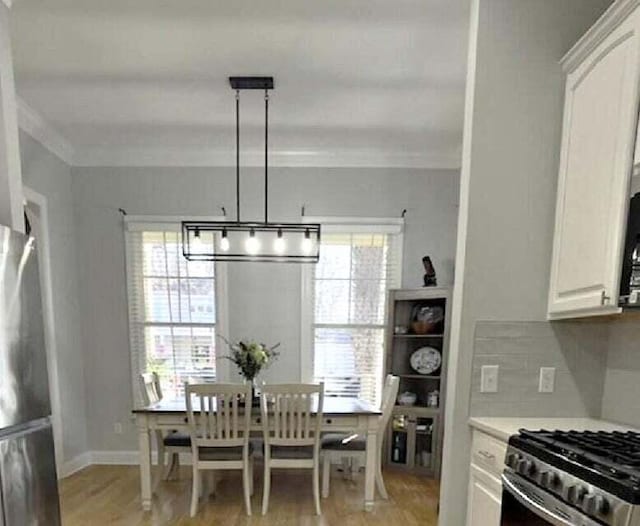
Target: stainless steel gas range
{"points": [[572, 478]]}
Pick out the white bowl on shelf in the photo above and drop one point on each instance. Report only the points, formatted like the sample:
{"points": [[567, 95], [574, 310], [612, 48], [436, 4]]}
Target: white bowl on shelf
{"points": [[407, 398]]}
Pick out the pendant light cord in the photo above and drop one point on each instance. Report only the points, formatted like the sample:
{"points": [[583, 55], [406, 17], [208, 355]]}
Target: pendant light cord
{"points": [[266, 156], [238, 155]]}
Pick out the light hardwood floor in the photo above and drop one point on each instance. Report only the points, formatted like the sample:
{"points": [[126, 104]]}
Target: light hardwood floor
{"points": [[110, 495]]}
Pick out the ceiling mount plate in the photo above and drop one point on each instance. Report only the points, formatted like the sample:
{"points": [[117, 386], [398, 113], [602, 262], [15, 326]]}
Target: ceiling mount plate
{"points": [[251, 82]]}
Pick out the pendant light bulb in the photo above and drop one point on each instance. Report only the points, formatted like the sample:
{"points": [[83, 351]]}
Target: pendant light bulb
{"points": [[252, 245], [307, 244], [224, 242], [279, 245], [197, 241]]}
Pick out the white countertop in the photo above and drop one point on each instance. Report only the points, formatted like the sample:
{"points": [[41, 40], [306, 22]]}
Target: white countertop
{"points": [[503, 427]]}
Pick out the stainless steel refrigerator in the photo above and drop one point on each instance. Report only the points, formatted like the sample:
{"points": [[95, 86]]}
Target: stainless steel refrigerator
{"points": [[28, 482]]}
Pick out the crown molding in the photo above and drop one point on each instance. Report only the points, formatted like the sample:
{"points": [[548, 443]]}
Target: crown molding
{"points": [[610, 19], [146, 157], [32, 123]]}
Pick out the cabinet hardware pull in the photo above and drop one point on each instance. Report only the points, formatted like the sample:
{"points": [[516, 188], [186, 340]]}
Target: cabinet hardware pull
{"points": [[604, 299], [486, 454]]}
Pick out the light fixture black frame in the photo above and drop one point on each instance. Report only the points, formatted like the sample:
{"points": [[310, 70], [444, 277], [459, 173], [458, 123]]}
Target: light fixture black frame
{"points": [[195, 228], [218, 227]]}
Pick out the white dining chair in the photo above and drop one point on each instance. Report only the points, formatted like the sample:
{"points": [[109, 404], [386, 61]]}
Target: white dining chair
{"points": [[291, 417], [219, 417], [336, 447], [170, 443]]}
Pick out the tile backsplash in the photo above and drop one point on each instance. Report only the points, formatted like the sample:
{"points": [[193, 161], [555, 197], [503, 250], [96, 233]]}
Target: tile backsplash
{"points": [[577, 350], [622, 382]]}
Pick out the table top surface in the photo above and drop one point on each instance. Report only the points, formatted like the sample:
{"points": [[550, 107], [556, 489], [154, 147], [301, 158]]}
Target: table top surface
{"points": [[333, 406]]}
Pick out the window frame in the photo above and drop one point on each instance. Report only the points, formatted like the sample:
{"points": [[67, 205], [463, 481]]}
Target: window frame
{"points": [[138, 223], [343, 225]]}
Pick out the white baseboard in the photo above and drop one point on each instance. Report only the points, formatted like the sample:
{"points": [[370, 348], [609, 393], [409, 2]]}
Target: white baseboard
{"points": [[123, 458], [110, 458], [129, 458]]}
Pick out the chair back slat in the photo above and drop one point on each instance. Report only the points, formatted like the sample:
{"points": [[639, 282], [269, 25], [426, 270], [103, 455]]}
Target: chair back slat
{"points": [[389, 395], [228, 432], [307, 421], [299, 427], [234, 423], [292, 414], [150, 389], [222, 416], [217, 416]]}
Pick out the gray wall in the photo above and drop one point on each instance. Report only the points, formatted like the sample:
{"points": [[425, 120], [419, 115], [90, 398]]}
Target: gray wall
{"points": [[578, 351], [48, 175], [508, 185], [622, 375], [264, 299]]}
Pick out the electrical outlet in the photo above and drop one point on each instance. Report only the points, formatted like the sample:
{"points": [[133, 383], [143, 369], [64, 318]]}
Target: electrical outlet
{"points": [[547, 381], [117, 428], [489, 379]]}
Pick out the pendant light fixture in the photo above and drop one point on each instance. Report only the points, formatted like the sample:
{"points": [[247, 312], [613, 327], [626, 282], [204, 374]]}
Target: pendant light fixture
{"points": [[251, 241]]}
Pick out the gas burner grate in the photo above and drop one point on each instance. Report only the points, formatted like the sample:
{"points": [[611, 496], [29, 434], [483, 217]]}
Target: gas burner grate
{"points": [[608, 459]]}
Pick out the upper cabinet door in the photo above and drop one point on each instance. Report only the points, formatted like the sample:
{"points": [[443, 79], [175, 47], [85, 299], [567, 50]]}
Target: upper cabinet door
{"points": [[598, 142]]}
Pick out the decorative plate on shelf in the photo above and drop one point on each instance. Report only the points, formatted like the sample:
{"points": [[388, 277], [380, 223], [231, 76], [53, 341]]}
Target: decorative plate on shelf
{"points": [[426, 360]]}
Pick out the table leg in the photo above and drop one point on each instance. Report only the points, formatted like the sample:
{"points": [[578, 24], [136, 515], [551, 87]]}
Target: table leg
{"points": [[144, 444], [370, 466]]}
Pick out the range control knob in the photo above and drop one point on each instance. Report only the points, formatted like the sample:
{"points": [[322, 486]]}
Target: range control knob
{"points": [[596, 505], [526, 467], [576, 493], [589, 504], [550, 479], [602, 505], [512, 460], [532, 469], [521, 466], [519, 462]]}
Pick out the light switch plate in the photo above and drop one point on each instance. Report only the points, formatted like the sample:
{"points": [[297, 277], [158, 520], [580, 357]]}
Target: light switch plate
{"points": [[489, 379], [547, 383]]}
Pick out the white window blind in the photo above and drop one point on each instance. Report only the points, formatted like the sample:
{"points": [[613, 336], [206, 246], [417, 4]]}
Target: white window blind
{"points": [[172, 309], [349, 295]]}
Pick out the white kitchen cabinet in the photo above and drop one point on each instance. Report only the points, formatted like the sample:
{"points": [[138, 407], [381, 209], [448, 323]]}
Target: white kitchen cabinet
{"points": [[485, 499], [636, 156], [597, 149], [485, 488]]}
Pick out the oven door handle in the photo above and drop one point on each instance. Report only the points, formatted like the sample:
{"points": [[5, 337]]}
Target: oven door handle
{"points": [[532, 505]]}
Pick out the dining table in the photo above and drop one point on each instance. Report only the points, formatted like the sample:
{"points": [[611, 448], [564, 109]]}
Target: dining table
{"points": [[339, 415]]}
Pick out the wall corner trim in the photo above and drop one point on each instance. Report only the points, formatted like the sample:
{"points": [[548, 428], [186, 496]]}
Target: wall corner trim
{"points": [[74, 465], [34, 124]]}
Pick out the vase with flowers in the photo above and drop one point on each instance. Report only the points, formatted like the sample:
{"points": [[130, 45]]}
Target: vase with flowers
{"points": [[251, 358]]}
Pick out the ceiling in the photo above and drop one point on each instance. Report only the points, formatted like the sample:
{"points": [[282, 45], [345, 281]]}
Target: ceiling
{"points": [[358, 82]]}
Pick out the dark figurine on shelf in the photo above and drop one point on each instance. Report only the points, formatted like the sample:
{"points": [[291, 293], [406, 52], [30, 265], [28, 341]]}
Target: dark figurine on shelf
{"points": [[429, 273]]}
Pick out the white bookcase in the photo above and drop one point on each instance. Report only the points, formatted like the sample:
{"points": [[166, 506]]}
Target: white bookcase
{"points": [[414, 437]]}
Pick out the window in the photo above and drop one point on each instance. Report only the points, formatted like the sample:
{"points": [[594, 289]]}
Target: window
{"points": [[172, 308], [346, 308]]}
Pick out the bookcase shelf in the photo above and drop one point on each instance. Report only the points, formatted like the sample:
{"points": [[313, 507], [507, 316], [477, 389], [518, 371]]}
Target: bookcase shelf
{"points": [[419, 376], [419, 336]]}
